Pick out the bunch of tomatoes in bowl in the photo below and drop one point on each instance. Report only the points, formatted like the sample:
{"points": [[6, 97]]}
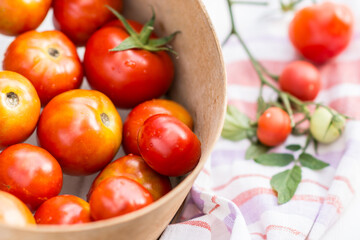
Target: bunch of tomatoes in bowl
{"points": [[79, 131]]}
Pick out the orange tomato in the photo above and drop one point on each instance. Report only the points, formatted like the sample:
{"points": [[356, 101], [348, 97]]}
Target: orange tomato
{"points": [[117, 196], [81, 129], [135, 167], [19, 108], [30, 173], [13, 211], [63, 210], [18, 16], [48, 59]]}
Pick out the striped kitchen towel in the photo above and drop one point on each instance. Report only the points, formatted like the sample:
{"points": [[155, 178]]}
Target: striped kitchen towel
{"points": [[232, 197]]}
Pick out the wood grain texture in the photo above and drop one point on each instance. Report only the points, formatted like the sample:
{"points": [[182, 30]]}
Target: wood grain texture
{"points": [[200, 85]]}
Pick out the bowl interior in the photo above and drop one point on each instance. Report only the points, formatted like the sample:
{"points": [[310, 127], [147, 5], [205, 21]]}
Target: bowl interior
{"points": [[200, 86]]}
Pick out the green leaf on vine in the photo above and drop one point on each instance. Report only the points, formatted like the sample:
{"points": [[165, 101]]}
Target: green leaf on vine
{"points": [[255, 150], [293, 147], [286, 183], [236, 126], [311, 162], [275, 159]]}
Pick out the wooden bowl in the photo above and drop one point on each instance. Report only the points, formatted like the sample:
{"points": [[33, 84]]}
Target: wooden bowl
{"points": [[200, 86]]}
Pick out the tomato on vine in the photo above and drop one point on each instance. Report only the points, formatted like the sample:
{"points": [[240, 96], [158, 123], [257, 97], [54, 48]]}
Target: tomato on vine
{"points": [[326, 125], [274, 126], [301, 79], [322, 31]]}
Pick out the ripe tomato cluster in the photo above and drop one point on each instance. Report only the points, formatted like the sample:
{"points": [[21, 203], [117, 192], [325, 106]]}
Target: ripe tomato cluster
{"points": [[80, 131], [319, 32]]}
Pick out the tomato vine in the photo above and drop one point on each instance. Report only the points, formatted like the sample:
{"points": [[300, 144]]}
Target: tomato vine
{"points": [[238, 126]]}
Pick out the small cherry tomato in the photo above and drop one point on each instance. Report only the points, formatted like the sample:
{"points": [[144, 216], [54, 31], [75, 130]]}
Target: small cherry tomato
{"points": [[30, 173], [48, 59], [135, 168], [127, 77], [301, 79], [63, 209], [117, 196], [274, 126], [143, 111], [19, 108], [18, 16], [322, 31], [81, 129], [13, 211], [326, 125], [168, 145], [79, 19]]}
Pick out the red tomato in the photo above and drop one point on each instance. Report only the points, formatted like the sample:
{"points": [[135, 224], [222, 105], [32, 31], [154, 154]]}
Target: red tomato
{"points": [[18, 16], [168, 145], [301, 79], [19, 108], [135, 167], [79, 19], [128, 77], [274, 126], [320, 32], [64, 209], [48, 59], [30, 173], [143, 111], [81, 129], [13, 211], [117, 196]]}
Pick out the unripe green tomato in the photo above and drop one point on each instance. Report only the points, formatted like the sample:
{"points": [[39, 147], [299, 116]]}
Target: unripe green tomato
{"points": [[326, 127]]}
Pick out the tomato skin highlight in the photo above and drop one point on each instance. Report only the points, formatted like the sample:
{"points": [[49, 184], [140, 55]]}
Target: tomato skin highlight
{"points": [[117, 196], [81, 129], [14, 212], [301, 79], [322, 31], [63, 210], [168, 145], [79, 19], [274, 126], [143, 111], [19, 108], [135, 168], [30, 173], [127, 77], [48, 59], [18, 16]]}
